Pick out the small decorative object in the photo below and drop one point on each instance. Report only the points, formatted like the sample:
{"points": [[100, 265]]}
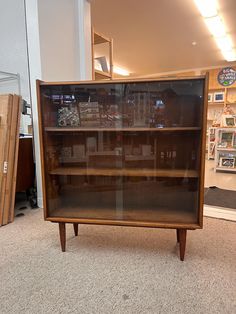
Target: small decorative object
{"points": [[146, 150], [228, 121], [89, 113], [227, 76], [227, 137], [68, 116], [227, 162], [66, 152], [228, 110], [219, 96], [91, 144], [79, 151], [210, 97]]}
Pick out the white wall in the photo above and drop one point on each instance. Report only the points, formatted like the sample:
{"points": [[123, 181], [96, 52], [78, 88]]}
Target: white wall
{"points": [[57, 39], [65, 39], [44, 39], [13, 46]]}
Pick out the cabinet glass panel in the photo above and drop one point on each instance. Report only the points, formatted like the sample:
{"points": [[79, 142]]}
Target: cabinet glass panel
{"points": [[132, 105], [123, 151]]}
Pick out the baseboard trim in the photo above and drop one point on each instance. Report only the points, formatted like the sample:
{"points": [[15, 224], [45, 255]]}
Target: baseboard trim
{"points": [[220, 212]]}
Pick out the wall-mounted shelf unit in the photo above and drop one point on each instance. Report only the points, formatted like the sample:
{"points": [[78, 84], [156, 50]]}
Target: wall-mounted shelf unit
{"points": [[98, 39], [225, 152]]}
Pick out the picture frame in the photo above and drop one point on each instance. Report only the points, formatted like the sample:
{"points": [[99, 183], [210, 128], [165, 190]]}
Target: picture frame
{"points": [[219, 97], [227, 162], [228, 121], [210, 97]]}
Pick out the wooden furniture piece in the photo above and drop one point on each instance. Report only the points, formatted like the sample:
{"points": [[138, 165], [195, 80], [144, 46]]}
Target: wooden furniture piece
{"points": [[99, 39], [10, 106], [25, 167], [127, 153]]}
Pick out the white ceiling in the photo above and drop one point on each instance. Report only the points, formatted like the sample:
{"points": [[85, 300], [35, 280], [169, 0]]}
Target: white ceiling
{"points": [[155, 36]]}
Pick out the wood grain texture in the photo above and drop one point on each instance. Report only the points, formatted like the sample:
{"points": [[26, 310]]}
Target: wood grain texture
{"points": [[62, 233], [176, 173], [9, 202], [182, 242], [133, 80], [188, 226], [6, 109], [81, 129]]}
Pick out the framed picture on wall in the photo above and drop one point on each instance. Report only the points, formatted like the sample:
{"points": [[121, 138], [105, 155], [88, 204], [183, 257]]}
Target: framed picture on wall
{"points": [[227, 162], [210, 97], [219, 97]]}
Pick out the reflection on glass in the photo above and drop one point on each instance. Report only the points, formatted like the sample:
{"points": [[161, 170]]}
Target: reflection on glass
{"points": [[131, 152]]}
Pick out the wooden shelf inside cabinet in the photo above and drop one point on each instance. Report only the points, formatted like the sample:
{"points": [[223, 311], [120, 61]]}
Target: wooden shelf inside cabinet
{"points": [[133, 129], [130, 216], [133, 175], [173, 173]]}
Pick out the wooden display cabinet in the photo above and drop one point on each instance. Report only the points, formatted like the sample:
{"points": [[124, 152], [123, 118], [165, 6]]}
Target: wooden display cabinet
{"points": [[127, 153]]}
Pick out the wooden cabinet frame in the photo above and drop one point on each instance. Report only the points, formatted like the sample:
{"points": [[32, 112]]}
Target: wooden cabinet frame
{"points": [[181, 227]]}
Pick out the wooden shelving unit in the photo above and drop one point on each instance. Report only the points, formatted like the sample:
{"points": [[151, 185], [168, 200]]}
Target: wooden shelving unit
{"points": [[123, 164], [98, 39]]}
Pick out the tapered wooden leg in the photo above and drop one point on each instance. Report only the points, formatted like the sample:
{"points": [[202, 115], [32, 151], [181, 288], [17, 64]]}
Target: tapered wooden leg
{"points": [[177, 235], [76, 228], [62, 231], [182, 242]]}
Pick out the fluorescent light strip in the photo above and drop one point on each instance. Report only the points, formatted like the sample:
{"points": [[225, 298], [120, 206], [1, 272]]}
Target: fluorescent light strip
{"points": [[215, 26], [120, 71], [229, 55], [224, 43], [208, 9]]}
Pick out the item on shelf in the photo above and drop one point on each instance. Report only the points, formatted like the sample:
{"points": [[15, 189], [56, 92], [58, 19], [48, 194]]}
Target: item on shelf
{"points": [[91, 145], [66, 152], [68, 116], [219, 97], [112, 117], [79, 151], [141, 110], [210, 97], [146, 150], [227, 162], [89, 114], [228, 121]]}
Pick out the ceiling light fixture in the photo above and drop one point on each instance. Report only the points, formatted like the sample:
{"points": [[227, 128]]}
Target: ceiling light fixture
{"points": [[229, 55], [224, 43], [215, 26], [120, 71], [208, 9]]}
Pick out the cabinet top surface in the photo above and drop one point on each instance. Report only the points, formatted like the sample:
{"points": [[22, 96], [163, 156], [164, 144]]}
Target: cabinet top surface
{"points": [[133, 80]]}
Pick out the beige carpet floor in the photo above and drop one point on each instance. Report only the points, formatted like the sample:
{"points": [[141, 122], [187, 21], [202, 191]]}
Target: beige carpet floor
{"points": [[116, 269]]}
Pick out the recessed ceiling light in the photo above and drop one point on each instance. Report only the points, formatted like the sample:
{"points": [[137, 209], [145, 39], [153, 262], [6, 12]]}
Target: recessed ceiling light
{"points": [[207, 8], [194, 43]]}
